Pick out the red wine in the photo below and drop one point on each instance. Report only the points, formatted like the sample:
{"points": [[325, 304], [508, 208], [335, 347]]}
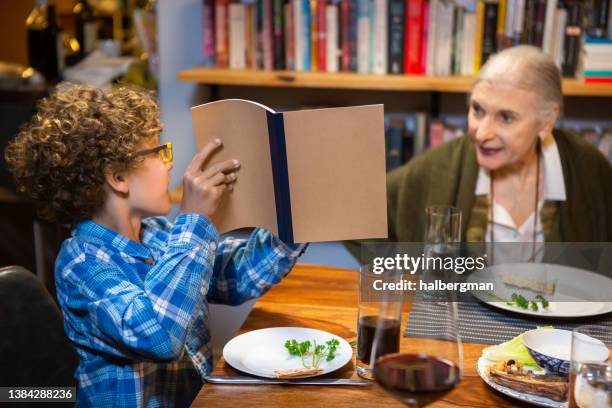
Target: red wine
{"points": [[416, 378], [387, 342]]}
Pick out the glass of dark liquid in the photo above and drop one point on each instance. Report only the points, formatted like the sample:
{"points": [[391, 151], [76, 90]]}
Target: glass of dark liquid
{"points": [[426, 368], [379, 318], [590, 378]]}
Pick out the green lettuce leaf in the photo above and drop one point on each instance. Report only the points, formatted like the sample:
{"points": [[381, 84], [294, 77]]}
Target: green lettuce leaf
{"points": [[511, 350]]}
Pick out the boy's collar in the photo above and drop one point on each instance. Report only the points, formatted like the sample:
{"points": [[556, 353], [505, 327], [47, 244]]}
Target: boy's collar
{"points": [[91, 230]]}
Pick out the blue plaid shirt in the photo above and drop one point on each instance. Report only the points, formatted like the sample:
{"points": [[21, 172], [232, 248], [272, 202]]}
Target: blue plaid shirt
{"points": [[137, 313]]}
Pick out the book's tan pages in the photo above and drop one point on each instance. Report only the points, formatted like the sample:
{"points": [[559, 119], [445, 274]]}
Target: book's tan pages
{"points": [[337, 174], [242, 127]]}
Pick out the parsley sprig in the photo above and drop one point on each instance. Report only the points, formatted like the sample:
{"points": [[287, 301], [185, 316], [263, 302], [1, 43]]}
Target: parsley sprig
{"points": [[319, 352]]}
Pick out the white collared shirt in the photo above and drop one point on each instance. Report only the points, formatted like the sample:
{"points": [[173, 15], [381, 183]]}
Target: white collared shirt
{"points": [[553, 189]]}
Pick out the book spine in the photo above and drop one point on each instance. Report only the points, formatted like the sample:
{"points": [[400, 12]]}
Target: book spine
{"points": [[444, 38], [511, 10], [547, 42], [502, 9], [345, 34], [396, 36], [469, 43], [237, 43], [598, 18], [490, 28], [518, 25], [208, 25], [457, 41], [322, 37], [221, 33], [297, 35], [250, 35], [381, 30], [540, 19], [414, 39], [529, 23], [259, 29], [352, 40], [267, 36], [432, 38], [306, 35], [332, 39], [314, 36], [363, 36], [394, 145], [573, 33], [480, 15], [278, 34], [372, 15], [289, 36], [280, 175], [424, 37], [560, 23]]}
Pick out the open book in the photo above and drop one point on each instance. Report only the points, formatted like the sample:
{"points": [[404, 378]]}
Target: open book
{"points": [[308, 175]]}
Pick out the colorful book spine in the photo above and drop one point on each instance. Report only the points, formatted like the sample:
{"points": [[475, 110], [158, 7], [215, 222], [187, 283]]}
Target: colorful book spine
{"points": [[289, 36], [345, 35], [221, 33], [480, 13], [381, 30], [414, 37], [540, 20], [208, 24], [432, 37], [322, 35], [363, 36], [396, 36], [237, 43], [469, 44], [457, 41], [333, 38], [424, 50], [267, 34], [278, 46], [444, 39], [314, 36], [352, 39], [549, 23]]}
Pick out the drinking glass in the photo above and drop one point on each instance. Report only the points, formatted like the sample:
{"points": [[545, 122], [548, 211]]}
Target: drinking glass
{"points": [[376, 308], [590, 382], [425, 368], [442, 227]]}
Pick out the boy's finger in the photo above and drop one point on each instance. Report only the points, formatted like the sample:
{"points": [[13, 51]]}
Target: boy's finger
{"points": [[198, 160], [222, 167]]}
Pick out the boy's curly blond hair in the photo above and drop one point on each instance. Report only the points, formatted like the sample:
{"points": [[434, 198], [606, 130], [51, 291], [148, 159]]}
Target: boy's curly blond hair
{"points": [[77, 135]]}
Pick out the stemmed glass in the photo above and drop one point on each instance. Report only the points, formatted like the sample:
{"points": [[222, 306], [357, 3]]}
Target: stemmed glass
{"points": [[429, 366]]}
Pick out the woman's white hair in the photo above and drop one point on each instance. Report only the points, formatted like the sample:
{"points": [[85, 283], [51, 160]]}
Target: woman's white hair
{"points": [[529, 68]]}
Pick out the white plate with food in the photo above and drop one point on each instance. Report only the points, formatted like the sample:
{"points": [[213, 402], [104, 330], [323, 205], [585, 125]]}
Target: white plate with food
{"points": [[492, 372], [545, 290], [282, 352]]}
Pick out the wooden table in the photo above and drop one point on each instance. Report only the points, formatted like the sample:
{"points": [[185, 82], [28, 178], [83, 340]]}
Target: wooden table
{"points": [[326, 298]]}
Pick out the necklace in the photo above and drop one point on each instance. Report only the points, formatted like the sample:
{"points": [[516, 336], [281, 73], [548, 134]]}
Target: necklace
{"points": [[536, 212]]}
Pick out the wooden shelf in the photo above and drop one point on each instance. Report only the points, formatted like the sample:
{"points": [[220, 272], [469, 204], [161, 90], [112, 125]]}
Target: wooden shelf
{"points": [[324, 80]]}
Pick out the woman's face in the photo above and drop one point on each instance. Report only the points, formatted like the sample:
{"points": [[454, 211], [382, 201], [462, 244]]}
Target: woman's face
{"points": [[502, 123], [148, 184]]}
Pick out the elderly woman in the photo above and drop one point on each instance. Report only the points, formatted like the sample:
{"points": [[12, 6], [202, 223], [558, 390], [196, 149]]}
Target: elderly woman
{"points": [[515, 178]]}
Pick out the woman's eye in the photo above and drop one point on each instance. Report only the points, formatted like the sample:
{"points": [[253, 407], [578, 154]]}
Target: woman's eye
{"points": [[507, 118], [477, 110]]}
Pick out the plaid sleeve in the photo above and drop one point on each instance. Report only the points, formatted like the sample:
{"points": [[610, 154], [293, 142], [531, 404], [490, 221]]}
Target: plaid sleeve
{"points": [[246, 269], [152, 320]]}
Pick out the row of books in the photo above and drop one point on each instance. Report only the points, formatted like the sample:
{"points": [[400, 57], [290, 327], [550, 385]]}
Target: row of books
{"points": [[597, 60], [409, 134], [433, 37]]}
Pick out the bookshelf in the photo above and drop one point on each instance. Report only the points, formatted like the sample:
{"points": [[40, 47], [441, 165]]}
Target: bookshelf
{"points": [[325, 80]]}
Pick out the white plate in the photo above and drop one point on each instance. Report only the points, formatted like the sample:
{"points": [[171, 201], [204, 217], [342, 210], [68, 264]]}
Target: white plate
{"points": [[574, 287], [261, 352], [483, 363]]}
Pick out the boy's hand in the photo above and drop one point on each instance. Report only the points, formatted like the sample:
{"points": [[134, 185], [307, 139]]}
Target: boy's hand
{"points": [[203, 189]]}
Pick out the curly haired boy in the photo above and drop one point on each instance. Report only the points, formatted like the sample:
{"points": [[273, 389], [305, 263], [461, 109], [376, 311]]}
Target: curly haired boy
{"points": [[134, 287]]}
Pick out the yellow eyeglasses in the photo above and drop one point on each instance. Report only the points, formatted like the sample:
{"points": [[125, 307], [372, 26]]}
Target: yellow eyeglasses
{"points": [[165, 152]]}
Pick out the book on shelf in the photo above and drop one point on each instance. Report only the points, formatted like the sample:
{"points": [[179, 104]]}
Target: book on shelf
{"points": [[308, 175]]}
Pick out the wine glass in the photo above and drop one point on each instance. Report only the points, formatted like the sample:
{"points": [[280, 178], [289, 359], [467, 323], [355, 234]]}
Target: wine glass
{"points": [[425, 368]]}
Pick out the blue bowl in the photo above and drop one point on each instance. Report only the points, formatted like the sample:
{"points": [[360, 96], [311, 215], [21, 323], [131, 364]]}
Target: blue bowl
{"points": [[551, 349]]}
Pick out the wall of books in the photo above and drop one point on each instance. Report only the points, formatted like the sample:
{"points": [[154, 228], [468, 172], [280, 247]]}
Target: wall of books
{"points": [[417, 37]]}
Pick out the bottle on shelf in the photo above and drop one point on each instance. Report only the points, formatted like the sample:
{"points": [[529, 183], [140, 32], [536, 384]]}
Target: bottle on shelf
{"points": [[45, 41]]}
